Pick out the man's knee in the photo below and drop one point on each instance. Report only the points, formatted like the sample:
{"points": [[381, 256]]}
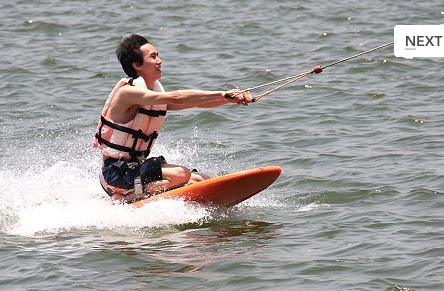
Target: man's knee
{"points": [[176, 174], [184, 174]]}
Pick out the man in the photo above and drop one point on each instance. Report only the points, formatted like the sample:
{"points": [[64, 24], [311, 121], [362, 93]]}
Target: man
{"points": [[132, 118]]}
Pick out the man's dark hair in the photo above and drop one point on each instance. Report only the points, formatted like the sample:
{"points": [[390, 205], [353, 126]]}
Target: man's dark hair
{"points": [[129, 52]]}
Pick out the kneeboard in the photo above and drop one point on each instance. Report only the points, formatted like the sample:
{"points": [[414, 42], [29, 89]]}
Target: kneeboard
{"points": [[227, 190]]}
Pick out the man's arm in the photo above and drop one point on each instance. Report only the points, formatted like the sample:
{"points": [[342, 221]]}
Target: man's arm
{"points": [[233, 96], [206, 104], [133, 95]]}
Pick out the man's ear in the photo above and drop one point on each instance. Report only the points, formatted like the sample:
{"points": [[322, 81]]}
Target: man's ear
{"points": [[136, 66]]}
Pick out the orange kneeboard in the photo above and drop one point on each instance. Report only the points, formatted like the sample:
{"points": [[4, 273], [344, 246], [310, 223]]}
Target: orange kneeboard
{"points": [[227, 190]]}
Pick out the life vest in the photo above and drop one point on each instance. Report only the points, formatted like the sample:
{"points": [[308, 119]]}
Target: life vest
{"points": [[133, 140]]}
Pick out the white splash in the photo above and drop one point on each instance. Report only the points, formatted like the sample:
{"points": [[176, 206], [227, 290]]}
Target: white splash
{"points": [[62, 198], [48, 192], [52, 192]]}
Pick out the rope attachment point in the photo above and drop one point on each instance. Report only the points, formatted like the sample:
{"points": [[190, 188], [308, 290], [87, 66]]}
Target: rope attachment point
{"points": [[317, 70]]}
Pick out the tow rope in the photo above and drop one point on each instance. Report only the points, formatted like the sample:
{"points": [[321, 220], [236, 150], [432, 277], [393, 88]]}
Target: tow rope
{"points": [[315, 70]]}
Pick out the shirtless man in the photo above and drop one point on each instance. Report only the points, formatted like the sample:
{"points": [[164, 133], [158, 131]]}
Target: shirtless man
{"points": [[132, 118]]}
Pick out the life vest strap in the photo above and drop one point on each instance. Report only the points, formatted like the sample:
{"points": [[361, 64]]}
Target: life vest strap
{"points": [[122, 148], [137, 134], [152, 113]]}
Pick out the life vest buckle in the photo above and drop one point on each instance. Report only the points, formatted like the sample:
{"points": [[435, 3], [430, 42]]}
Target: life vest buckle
{"points": [[138, 188]]}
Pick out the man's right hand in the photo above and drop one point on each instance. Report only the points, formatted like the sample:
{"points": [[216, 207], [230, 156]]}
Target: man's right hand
{"points": [[240, 97]]}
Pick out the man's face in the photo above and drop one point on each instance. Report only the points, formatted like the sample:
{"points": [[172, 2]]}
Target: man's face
{"points": [[152, 63]]}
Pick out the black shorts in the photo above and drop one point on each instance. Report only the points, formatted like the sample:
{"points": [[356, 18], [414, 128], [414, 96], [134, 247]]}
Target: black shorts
{"points": [[121, 173]]}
